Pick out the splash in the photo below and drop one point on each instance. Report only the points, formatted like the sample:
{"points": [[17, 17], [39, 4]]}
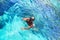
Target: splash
{"points": [[47, 21]]}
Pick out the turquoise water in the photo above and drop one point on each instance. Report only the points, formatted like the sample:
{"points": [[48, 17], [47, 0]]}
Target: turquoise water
{"points": [[47, 20]]}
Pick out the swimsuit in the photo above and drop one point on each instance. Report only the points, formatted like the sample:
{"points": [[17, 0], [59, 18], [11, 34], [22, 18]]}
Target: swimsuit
{"points": [[30, 22]]}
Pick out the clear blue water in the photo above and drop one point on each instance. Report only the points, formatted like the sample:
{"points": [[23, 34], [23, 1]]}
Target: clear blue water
{"points": [[47, 19]]}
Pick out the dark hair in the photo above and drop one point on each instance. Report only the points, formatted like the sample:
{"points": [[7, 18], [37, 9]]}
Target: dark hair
{"points": [[32, 19]]}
